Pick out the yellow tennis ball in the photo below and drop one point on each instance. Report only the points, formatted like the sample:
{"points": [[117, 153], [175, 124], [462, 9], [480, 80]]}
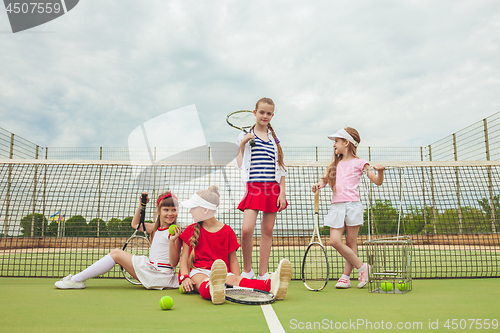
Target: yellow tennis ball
{"points": [[386, 286], [182, 291], [166, 302], [171, 229], [402, 285]]}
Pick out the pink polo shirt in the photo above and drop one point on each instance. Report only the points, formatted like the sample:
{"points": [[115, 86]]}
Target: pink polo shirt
{"points": [[347, 182]]}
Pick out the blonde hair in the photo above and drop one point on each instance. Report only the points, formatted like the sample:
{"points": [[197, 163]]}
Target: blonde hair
{"points": [[211, 195], [280, 150], [330, 175], [169, 201]]}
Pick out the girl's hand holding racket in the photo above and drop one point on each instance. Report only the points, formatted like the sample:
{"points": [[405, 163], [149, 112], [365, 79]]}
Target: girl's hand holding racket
{"points": [[317, 186], [248, 137], [147, 197]]}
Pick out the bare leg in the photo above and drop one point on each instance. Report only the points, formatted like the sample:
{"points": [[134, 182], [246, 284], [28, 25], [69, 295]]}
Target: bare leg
{"points": [[249, 220], [124, 259], [352, 242], [344, 250], [266, 241]]}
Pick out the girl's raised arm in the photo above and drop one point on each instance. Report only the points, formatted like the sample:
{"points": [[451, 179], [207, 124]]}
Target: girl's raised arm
{"points": [[378, 178], [137, 217]]}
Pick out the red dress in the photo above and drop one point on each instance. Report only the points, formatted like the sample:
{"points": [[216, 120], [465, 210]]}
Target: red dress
{"points": [[211, 245]]}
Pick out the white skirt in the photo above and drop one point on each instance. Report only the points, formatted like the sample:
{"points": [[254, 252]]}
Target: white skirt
{"points": [[154, 278], [344, 213]]}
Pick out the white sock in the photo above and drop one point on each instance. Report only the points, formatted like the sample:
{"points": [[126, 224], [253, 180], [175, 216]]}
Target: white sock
{"points": [[362, 268], [101, 266], [348, 278]]}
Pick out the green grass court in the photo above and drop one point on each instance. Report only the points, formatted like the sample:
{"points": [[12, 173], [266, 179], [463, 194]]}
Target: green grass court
{"points": [[114, 305]]}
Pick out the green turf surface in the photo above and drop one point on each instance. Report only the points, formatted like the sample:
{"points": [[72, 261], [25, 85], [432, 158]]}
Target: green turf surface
{"points": [[112, 305]]}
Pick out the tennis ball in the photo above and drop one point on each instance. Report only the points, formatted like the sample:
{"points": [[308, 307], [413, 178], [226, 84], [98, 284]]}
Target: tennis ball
{"points": [[402, 285], [386, 286], [171, 229], [166, 302], [182, 291]]}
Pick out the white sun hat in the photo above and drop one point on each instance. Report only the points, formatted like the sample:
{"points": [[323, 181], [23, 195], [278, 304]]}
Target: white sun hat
{"points": [[342, 133], [197, 201]]}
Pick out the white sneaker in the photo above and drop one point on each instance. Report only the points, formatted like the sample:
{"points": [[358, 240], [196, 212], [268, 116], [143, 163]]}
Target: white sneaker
{"points": [[218, 275], [281, 278], [248, 275], [66, 283], [266, 276], [343, 283]]}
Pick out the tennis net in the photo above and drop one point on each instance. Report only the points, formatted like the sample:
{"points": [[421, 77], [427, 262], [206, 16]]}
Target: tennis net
{"points": [[58, 217]]}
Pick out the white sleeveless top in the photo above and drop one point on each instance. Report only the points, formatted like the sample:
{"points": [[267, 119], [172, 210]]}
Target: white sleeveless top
{"points": [[159, 252]]}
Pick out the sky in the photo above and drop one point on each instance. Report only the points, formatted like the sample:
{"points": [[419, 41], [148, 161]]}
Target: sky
{"points": [[403, 73]]}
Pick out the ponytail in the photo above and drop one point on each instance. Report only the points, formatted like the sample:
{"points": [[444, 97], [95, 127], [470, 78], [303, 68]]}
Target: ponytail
{"points": [[280, 151], [193, 242]]}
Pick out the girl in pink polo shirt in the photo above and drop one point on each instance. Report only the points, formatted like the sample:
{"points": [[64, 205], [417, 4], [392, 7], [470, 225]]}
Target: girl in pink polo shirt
{"points": [[346, 211]]}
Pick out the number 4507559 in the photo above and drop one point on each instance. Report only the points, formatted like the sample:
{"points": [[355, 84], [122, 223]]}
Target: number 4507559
{"points": [[471, 323], [33, 7]]}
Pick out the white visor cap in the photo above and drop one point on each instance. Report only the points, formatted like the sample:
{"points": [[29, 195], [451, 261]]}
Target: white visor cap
{"points": [[197, 201], [342, 133]]}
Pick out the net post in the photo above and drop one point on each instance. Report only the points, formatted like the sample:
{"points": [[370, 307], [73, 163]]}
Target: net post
{"points": [[490, 183], [11, 153], [460, 229], [423, 190], [34, 196], [432, 194], [44, 192], [9, 177]]}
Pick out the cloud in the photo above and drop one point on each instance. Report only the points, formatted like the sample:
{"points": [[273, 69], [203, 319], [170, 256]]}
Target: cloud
{"points": [[402, 73]]}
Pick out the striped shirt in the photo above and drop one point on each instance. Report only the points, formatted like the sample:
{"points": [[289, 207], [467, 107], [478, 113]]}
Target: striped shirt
{"points": [[262, 162]]}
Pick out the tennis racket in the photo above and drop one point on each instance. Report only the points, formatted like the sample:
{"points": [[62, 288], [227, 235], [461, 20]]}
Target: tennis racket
{"points": [[136, 244], [248, 296], [242, 120], [315, 267]]}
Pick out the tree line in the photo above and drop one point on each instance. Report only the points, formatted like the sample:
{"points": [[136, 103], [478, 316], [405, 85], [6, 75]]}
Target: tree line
{"points": [[427, 220], [383, 216]]}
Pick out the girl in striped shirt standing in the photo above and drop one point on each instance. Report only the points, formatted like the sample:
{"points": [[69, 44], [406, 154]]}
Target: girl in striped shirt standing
{"points": [[263, 171]]}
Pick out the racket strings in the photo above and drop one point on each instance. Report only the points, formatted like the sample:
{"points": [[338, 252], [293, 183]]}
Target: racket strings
{"points": [[242, 119], [252, 296], [315, 268]]}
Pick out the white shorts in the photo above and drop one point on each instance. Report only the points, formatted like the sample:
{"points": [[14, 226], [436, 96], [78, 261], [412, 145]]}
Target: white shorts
{"points": [[195, 271], [154, 278], [344, 213]]}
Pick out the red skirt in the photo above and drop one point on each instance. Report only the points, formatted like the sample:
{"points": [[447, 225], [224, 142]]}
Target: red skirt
{"points": [[261, 196]]}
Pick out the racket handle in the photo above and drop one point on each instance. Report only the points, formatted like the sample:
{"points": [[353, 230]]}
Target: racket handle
{"points": [[316, 201], [252, 142], [144, 199]]}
